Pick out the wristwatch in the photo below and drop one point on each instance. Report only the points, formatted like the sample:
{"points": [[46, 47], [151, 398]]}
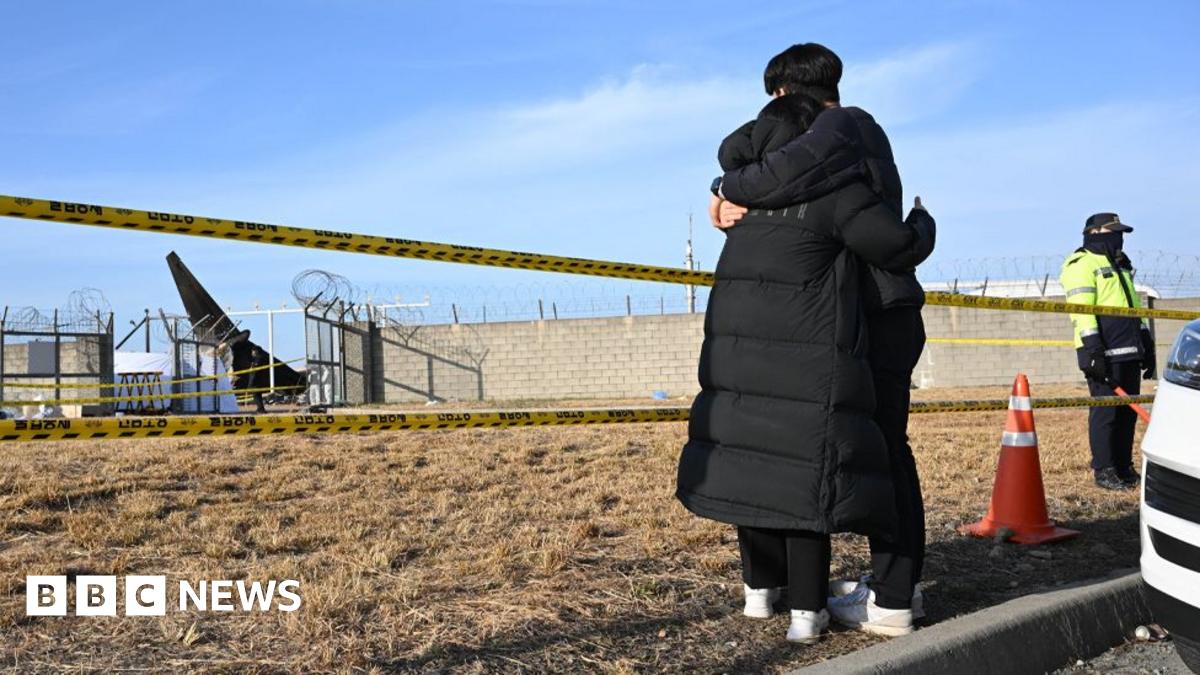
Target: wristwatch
{"points": [[716, 186]]}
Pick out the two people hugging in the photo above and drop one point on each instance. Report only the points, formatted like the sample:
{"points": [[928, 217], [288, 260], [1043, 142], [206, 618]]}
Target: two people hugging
{"points": [[811, 335]]}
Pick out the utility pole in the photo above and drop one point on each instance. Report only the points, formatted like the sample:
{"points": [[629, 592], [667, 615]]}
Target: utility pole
{"points": [[690, 261]]}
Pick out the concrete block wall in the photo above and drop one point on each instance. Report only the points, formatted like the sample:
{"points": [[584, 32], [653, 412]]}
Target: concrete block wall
{"points": [[570, 358], [952, 365], [1165, 332], [357, 349], [82, 355], [631, 357]]}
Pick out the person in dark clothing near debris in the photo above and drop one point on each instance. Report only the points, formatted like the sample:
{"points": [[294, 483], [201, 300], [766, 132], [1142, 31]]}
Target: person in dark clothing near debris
{"points": [[782, 439], [258, 379], [845, 143]]}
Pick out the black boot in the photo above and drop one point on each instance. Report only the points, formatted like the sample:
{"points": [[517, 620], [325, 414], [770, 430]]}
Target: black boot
{"points": [[1108, 479], [1130, 476]]}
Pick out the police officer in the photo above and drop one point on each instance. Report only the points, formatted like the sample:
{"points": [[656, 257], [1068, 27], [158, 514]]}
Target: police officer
{"points": [[1112, 350]]}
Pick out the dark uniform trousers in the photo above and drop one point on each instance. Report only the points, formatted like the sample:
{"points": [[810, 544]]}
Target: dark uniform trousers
{"points": [[1110, 429], [897, 338]]}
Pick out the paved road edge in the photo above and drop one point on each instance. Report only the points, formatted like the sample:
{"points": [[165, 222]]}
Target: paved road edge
{"points": [[1032, 634]]}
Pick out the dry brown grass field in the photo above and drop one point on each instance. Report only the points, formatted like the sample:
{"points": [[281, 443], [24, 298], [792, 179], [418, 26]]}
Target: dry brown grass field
{"points": [[542, 549]]}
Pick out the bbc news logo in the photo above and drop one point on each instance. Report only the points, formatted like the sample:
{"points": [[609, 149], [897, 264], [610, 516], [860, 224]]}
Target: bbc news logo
{"points": [[147, 596]]}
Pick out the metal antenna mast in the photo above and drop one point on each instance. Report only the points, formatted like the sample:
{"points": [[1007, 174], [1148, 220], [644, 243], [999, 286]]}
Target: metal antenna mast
{"points": [[690, 261]]}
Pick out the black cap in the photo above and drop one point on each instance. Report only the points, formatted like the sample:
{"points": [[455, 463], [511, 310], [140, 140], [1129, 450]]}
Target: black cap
{"points": [[1110, 220]]}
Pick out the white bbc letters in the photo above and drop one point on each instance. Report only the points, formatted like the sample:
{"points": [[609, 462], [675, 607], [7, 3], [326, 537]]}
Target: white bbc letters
{"points": [[145, 595], [95, 595], [46, 595]]}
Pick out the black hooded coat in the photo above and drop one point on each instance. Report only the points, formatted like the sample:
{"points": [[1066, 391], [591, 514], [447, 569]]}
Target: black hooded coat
{"points": [[781, 435]]}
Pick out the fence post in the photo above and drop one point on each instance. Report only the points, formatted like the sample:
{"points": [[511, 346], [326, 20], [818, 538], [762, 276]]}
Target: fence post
{"points": [[147, 320], [429, 377], [57, 359], [541, 311], [454, 310], [1152, 326], [271, 348], [554, 309], [628, 306], [485, 313], [3, 320]]}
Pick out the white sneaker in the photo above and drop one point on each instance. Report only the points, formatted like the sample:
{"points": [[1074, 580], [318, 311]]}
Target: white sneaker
{"points": [[847, 586], [806, 627], [857, 609], [759, 602]]}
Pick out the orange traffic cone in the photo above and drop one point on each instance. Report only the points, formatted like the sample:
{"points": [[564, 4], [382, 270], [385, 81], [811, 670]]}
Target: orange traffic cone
{"points": [[1018, 498]]}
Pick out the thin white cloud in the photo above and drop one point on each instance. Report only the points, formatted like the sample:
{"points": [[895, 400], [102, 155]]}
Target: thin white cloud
{"points": [[912, 85]]}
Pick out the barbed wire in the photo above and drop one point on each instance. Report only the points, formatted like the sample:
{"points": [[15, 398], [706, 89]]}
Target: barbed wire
{"points": [[87, 310], [325, 289], [1171, 275]]}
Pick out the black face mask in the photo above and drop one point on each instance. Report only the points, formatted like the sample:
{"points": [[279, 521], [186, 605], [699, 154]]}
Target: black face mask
{"points": [[1104, 242]]}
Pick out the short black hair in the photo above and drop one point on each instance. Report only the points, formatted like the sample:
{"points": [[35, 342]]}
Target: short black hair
{"points": [[808, 66]]}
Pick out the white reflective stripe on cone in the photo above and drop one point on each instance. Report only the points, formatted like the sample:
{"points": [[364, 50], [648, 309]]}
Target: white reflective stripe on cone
{"points": [[1019, 439], [1019, 403]]}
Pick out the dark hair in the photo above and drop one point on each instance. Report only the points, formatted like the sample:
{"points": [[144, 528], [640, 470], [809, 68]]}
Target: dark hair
{"points": [[779, 122], [782, 120], [810, 67]]}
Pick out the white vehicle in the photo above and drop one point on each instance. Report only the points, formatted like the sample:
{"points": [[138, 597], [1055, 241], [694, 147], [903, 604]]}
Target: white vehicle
{"points": [[1171, 499]]}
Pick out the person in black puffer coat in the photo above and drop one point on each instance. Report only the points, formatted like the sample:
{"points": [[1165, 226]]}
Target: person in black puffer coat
{"points": [[782, 440], [843, 145]]}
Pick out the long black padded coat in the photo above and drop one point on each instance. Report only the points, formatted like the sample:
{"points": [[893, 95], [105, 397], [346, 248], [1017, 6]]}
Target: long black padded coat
{"points": [[843, 144], [781, 435]]}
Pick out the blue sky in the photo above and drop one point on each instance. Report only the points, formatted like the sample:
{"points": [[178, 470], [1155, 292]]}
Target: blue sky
{"points": [[579, 128]]}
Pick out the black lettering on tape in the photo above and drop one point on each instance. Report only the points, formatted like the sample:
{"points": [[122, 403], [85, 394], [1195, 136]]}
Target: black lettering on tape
{"points": [[76, 207], [228, 421], [255, 227], [41, 425], [169, 217], [313, 419], [387, 419], [141, 423], [333, 235]]}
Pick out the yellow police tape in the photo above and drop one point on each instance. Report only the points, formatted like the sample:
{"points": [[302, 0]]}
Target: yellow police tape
{"points": [[146, 397], [225, 425], [232, 425], [134, 385], [1052, 306], [918, 407], [1000, 342], [286, 235]]}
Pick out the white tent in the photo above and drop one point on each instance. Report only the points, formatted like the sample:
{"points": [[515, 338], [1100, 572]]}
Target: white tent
{"points": [[151, 362]]}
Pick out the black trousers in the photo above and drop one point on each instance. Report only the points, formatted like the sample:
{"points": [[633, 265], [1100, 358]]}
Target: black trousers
{"points": [[1110, 430], [797, 559], [897, 338]]}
